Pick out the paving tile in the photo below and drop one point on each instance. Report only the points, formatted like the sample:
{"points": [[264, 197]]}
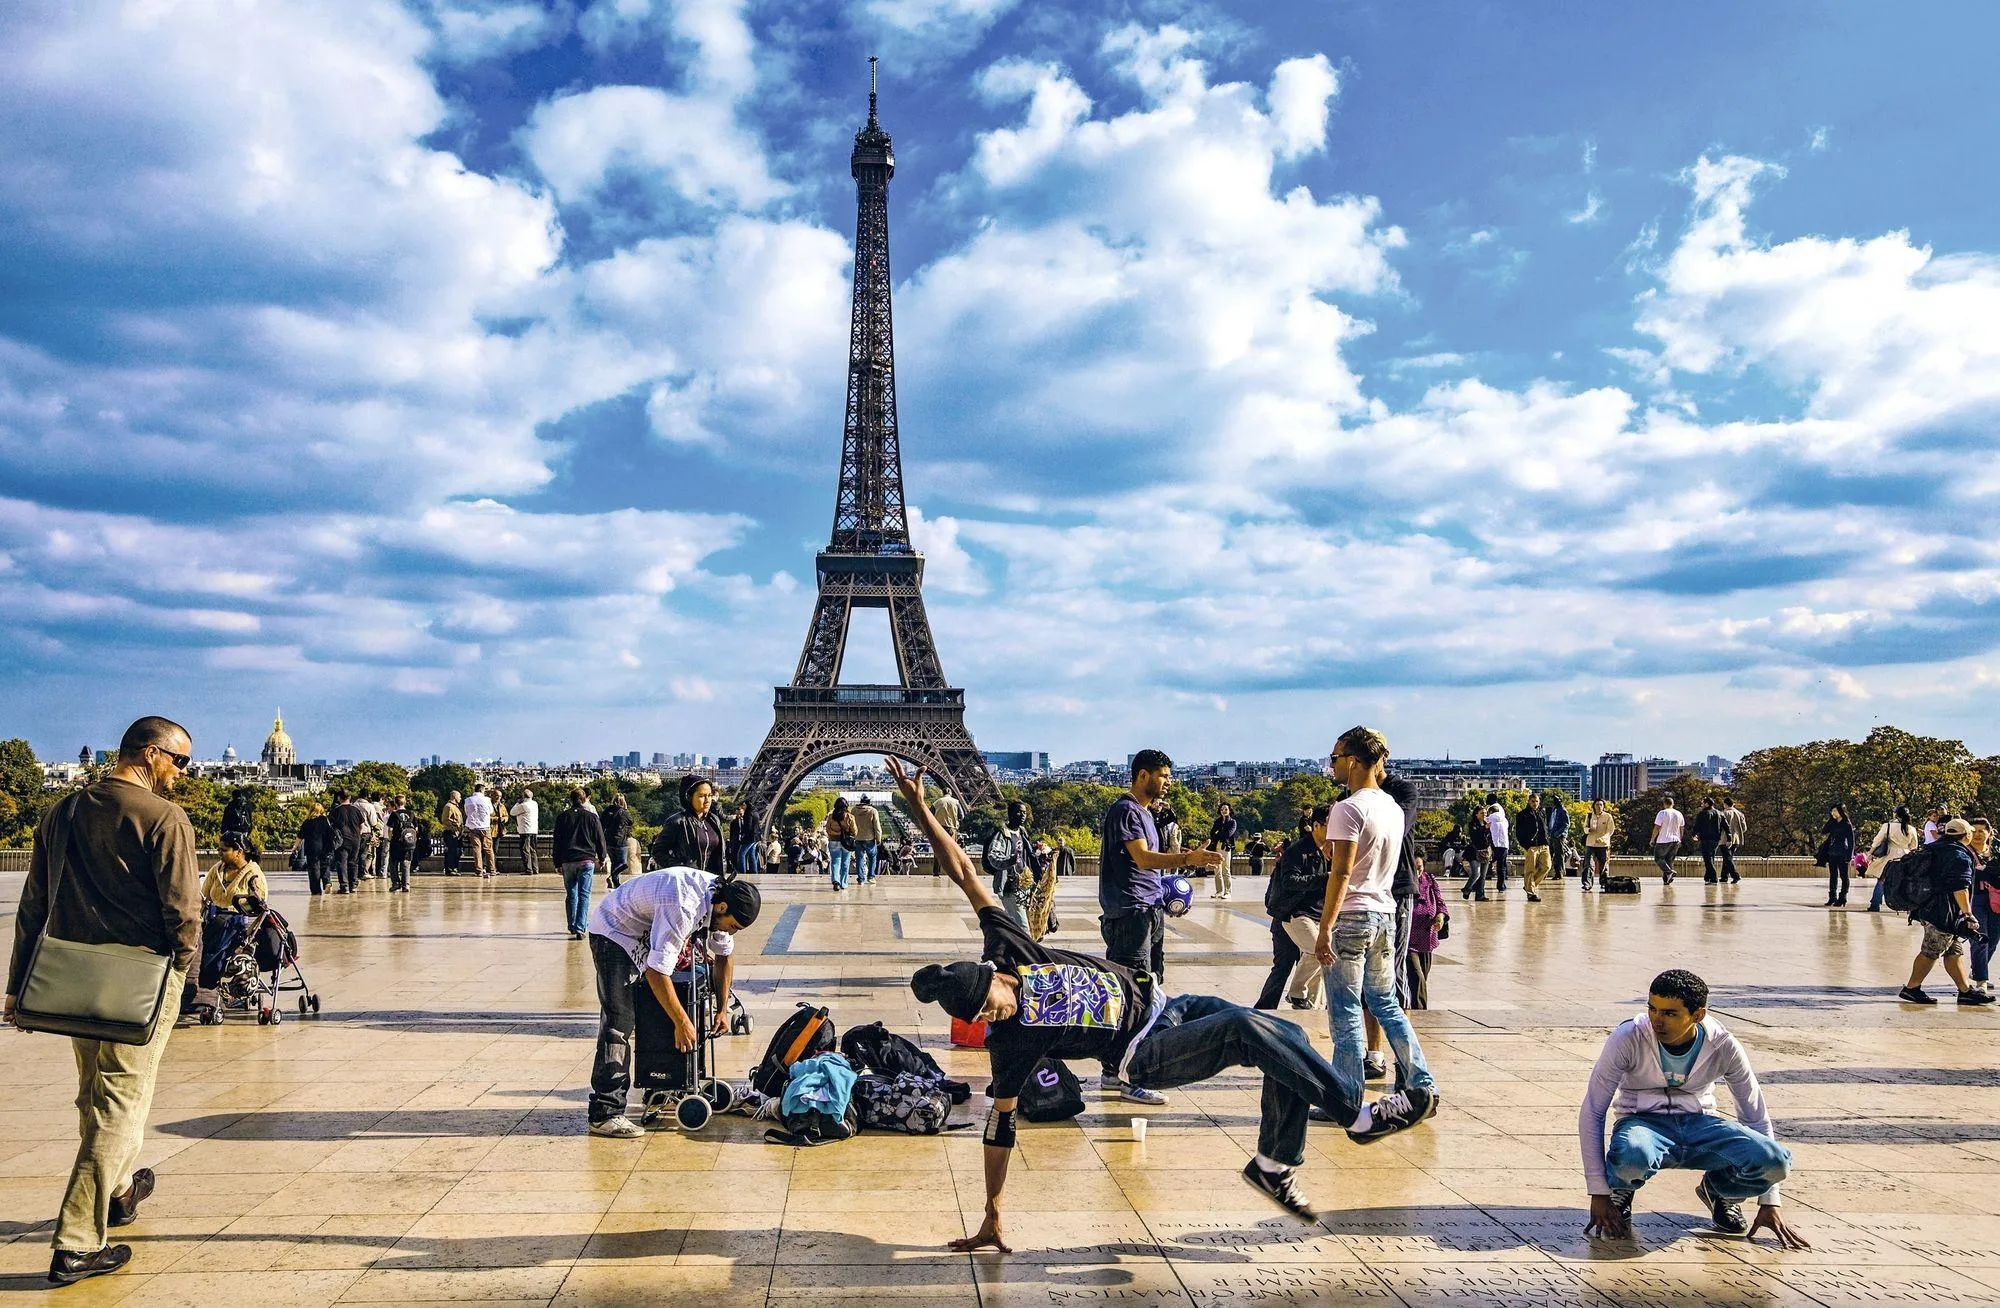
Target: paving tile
{"points": [[424, 1140]]}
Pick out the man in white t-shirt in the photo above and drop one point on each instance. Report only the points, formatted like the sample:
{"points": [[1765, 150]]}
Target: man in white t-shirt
{"points": [[1667, 826], [1357, 931], [528, 828], [479, 831], [1496, 827]]}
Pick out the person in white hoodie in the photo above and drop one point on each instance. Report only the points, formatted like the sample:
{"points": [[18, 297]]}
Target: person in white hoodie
{"points": [[1659, 1071]]}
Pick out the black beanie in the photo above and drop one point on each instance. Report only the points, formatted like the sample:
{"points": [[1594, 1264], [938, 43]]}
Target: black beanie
{"points": [[958, 988]]}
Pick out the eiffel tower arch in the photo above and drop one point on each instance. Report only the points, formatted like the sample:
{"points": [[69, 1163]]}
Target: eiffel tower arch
{"points": [[868, 563]]}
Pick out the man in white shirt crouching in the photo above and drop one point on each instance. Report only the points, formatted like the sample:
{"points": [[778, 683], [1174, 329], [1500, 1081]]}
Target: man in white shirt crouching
{"points": [[646, 928], [1660, 1072]]}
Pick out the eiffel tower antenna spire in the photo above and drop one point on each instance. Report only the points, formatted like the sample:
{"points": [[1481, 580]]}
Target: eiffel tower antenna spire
{"points": [[869, 561]]}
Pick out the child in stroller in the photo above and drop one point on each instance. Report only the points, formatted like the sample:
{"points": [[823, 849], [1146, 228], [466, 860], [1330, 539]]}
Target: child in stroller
{"points": [[245, 943]]}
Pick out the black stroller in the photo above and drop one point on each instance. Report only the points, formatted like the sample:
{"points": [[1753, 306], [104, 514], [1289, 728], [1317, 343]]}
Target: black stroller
{"points": [[244, 957]]}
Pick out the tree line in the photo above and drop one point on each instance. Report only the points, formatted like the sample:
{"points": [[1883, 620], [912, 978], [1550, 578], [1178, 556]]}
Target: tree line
{"points": [[1785, 793]]}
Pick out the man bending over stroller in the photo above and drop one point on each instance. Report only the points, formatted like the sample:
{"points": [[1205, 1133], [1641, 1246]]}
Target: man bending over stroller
{"points": [[646, 927], [1662, 1069], [1040, 1002]]}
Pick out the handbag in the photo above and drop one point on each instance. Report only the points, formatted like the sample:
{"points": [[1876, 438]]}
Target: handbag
{"points": [[1881, 845], [92, 992]]}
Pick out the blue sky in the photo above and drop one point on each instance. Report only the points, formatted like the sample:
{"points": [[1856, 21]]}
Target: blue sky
{"points": [[465, 375]]}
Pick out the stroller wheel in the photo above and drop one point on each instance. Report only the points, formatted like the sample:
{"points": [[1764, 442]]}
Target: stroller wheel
{"points": [[264, 1016], [211, 1017], [315, 1003], [302, 1005], [692, 1113], [721, 1093]]}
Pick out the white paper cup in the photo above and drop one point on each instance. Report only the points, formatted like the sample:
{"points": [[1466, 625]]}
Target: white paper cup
{"points": [[1138, 1130]]}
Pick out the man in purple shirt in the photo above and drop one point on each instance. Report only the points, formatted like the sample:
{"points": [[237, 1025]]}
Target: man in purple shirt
{"points": [[1129, 892]]}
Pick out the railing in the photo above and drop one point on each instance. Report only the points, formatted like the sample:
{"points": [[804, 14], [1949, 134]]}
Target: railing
{"points": [[867, 695]]}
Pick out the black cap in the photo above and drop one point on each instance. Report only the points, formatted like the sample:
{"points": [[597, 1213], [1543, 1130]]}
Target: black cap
{"points": [[742, 900], [958, 988]]}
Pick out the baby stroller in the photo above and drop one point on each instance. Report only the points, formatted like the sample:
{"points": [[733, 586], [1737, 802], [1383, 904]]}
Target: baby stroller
{"points": [[243, 960], [684, 1084]]}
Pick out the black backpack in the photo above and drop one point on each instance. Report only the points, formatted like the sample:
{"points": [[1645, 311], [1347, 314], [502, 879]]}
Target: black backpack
{"points": [[1052, 1093], [875, 1048], [807, 1032], [1909, 882]]}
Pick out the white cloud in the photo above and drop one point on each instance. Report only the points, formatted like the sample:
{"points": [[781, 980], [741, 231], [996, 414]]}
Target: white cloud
{"points": [[1880, 333], [690, 145], [932, 29], [473, 30]]}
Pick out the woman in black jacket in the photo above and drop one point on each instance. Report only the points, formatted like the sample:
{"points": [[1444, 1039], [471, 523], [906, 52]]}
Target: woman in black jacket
{"points": [[617, 822], [1297, 889], [1837, 851], [693, 836]]}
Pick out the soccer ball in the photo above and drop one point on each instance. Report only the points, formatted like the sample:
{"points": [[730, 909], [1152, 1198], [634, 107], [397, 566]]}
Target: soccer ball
{"points": [[1179, 896]]}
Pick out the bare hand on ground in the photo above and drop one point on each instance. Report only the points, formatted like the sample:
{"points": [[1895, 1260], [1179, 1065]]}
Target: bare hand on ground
{"points": [[1769, 1219], [1606, 1220]]}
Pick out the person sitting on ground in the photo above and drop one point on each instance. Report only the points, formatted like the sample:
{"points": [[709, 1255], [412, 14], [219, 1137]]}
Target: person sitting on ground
{"points": [[236, 876], [1946, 917], [1659, 1072], [1050, 1003], [647, 928]]}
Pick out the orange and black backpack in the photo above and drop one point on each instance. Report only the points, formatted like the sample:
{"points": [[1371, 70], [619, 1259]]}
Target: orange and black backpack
{"points": [[807, 1032]]}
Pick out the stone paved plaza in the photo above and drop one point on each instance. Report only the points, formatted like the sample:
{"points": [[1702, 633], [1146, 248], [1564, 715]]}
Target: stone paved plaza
{"points": [[424, 1139]]}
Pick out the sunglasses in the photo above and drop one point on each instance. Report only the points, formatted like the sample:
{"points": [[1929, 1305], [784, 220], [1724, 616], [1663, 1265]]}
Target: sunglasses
{"points": [[180, 761]]}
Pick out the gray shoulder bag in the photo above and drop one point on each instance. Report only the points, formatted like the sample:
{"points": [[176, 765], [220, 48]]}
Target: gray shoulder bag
{"points": [[94, 992]]}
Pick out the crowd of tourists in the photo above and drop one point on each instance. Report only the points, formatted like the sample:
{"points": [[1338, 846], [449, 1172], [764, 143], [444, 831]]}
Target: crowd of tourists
{"points": [[1355, 917]]}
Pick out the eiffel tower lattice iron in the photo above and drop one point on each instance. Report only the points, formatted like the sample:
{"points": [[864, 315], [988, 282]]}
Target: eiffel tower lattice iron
{"points": [[869, 563]]}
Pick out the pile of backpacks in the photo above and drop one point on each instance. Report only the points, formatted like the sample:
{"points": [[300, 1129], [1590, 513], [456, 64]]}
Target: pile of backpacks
{"points": [[822, 1086]]}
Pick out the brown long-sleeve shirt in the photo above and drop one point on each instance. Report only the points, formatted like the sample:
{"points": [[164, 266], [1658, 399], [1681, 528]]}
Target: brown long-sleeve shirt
{"points": [[130, 878]]}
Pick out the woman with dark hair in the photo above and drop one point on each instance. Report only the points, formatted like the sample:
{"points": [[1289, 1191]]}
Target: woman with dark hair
{"points": [[693, 836], [1893, 839], [1294, 898], [839, 831], [237, 875], [241, 813], [617, 822], [316, 840], [1836, 849]]}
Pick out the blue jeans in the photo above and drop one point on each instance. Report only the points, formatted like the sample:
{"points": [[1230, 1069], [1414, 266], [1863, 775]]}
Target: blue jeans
{"points": [[1736, 1162], [836, 861], [576, 893], [865, 852], [1364, 972], [1197, 1036], [1875, 900]]}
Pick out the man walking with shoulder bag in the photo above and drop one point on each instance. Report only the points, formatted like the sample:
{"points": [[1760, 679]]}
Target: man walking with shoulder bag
{"points": [[114, 864]]}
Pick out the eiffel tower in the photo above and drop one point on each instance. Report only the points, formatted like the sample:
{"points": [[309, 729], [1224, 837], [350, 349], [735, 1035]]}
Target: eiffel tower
{"points": [[869, 563]]}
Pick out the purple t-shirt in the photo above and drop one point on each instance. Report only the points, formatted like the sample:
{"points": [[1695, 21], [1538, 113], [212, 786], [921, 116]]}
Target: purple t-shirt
{"points": [[1121, 884]]}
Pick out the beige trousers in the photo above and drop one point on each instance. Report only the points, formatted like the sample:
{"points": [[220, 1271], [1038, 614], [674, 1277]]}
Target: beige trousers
{"points": [[114, 1093], [1307, 974], [1222, 877], [1534, 866]]}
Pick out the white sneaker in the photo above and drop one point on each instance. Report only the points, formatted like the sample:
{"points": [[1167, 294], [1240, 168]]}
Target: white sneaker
{"points": [[1137, 1094], [618, 1128]]}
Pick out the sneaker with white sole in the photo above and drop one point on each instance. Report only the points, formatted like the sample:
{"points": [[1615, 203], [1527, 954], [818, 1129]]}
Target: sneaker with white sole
{"points": [[1374, 1066], [1397, 1111], [1282, 1188], [1725, 1216], [1137, 1094], [620, 1127]]}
